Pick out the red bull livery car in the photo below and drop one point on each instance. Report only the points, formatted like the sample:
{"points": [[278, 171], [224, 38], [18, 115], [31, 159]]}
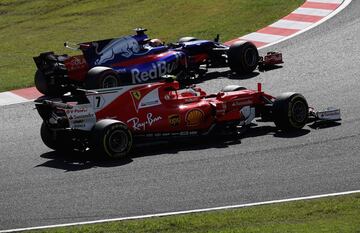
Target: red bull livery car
{"points": [[138, 59]]}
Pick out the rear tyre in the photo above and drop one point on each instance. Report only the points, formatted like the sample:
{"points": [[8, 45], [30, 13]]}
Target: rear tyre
{"points": [[101, 77], [43, 86], [41, 83], [290, 111], [111, 138], [51, 140], [231, 88], [243, 57]]}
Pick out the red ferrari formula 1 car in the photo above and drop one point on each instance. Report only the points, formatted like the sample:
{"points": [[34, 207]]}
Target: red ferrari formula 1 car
{"points": [[108, 120], [138, 59]]}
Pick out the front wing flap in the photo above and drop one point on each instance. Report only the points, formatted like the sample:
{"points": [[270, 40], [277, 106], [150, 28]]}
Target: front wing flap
{"points": [[328, 114]]}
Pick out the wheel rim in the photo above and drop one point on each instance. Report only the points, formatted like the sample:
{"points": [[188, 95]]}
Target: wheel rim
{"points": [[118, 141], [109, 81], [299, 112], [250, 57]]}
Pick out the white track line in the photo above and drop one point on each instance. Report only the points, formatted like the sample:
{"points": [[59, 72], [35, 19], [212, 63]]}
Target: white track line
{"points": [[344, 4], [185, 212]]}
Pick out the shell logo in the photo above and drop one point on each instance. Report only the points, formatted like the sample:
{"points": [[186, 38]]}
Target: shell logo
{"points": [[194, 117]]}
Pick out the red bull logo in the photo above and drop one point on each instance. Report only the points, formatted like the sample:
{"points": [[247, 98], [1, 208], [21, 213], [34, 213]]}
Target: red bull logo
{"points": [[125, 46], [157, 70]]}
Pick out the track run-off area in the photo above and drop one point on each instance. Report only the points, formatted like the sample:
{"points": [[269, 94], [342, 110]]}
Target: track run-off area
{"points": [[41, 187], [307, 16]]}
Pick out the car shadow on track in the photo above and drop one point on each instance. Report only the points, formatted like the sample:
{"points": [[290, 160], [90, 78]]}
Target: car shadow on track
{"points": [[76, 161], [271, 130], [324, 124]]}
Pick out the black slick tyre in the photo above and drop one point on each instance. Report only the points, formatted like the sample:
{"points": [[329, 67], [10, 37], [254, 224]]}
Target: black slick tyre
{"points": [[231, 88], [243, 57], [111, 138], [101, 77], [290, 111], [43, 86], [50, 139], [40, 83]]}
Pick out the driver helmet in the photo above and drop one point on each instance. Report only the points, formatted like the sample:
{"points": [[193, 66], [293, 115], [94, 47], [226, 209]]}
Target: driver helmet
{"points": [[156, 42]]}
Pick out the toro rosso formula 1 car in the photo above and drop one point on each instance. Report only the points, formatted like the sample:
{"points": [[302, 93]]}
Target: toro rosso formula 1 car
{"points": [[137, 59], [109, 120]]}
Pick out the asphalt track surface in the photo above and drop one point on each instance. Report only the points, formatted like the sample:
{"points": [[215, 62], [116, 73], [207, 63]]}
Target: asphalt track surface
{"points": [[41, 187]]}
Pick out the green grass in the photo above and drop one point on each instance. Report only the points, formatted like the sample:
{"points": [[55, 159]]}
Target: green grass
{"points": [[335, 214], [30, 27]]}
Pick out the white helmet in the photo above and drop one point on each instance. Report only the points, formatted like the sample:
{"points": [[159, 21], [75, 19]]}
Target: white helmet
{"points": [[155, 42]]}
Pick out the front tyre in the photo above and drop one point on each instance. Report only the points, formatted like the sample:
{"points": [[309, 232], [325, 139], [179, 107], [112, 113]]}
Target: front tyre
{"points": [[101, 77], [290, 111], [243, 57], [112, 138]]}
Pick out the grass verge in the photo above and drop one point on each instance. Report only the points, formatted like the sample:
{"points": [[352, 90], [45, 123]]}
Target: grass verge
{"points": [[333, 214], [28, 28]]}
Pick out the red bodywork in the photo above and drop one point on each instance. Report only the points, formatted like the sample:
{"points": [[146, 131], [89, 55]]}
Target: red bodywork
{"points": [[162, 107], [77, 68]]}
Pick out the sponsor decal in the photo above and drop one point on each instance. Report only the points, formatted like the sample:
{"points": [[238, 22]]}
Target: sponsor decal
{"points": [[125, 46], [157, 70], [241, 102], [149, 103], [75, 63], [329, 114], [136, 124], [194, 117], [81, 117], [136, 94], [76, 110], [174, 120], [171, 134], [190, 100]]}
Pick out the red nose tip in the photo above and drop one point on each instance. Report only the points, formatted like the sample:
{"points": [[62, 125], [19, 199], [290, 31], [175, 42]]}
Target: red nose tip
{"points": [[259, 87]]}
